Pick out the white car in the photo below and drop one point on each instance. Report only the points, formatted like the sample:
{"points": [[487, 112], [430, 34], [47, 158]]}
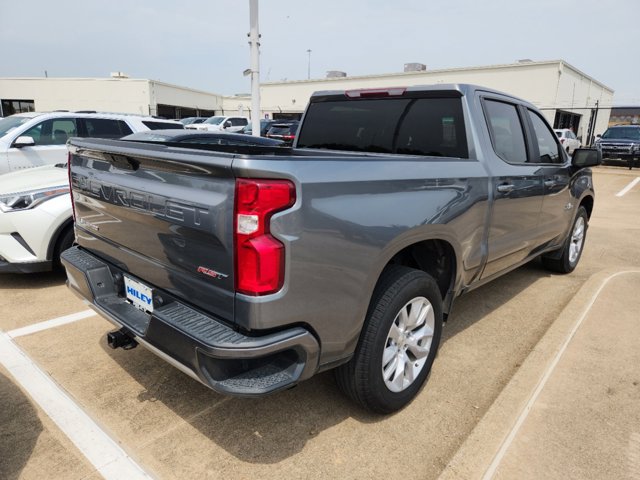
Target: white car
{"points": [[35, 139], [218, 123], [36, 222], [568, 139]]}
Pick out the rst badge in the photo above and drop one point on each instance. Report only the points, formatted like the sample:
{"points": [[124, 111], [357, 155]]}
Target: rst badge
{"points": [[138, 294], [212, 273]]}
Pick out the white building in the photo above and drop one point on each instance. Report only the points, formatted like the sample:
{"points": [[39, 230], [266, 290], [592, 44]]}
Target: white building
{"points": [[122, 95], [565, 95]]}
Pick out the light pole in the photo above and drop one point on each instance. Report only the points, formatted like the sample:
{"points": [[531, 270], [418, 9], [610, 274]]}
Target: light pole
{"points": [[254, 42], [309, 65]]}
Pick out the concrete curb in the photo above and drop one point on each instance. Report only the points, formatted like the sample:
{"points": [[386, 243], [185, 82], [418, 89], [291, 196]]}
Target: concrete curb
{"points": [[475, 457]]}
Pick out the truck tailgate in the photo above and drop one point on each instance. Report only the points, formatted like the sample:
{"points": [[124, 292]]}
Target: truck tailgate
{"points": [[160, 214]]}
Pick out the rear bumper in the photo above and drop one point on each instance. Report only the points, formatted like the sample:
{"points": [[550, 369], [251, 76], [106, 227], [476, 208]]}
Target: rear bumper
{"points": [[205, 348]]}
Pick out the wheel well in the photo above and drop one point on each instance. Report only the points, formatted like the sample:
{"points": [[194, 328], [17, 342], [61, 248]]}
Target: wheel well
{"points": [[435, 257], [587, 203], [55, 238]]}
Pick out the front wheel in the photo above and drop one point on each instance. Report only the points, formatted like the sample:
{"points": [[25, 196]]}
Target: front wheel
{"points": [[65, 241], [572, 249], [398, 343]]}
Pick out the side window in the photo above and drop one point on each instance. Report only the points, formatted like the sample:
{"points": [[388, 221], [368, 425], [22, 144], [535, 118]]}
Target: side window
{"points": [[105, 128], [151, 125], [506, 131], [53, 132], [547, 142], [239, 122]]}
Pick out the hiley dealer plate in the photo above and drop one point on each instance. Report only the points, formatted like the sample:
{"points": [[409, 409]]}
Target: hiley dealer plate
{"points": [[139, 294]]}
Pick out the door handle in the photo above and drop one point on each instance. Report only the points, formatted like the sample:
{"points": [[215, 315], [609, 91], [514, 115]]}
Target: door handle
{"points": [[506, 187], [549, 183]]}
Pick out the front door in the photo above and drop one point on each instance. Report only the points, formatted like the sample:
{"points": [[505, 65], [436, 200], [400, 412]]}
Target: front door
{"points": [[557, 206], [50, 137]]}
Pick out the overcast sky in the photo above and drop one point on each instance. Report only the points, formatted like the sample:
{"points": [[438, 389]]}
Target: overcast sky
{"points": [[203, 44]]}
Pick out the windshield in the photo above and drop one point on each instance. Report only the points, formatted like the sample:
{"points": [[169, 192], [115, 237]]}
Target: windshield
{"points": [[214, 120], [627, 133], [9, 123]]}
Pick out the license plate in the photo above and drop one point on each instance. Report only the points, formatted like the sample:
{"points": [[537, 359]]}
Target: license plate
{"points": [[138, 294]]}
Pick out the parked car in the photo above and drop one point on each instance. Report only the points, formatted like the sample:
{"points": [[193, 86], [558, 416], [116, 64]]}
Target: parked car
{"points": [[254, 271], [568, 139], [192, 120], [36, 222], [35, 139], [264, 127], [229, 124], [202, 138], [621, 141], [285, 131]]}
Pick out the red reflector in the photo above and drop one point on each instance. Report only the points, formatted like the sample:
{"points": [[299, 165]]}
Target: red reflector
{"points": [[376, 92], [259, 255], [288, 137]]}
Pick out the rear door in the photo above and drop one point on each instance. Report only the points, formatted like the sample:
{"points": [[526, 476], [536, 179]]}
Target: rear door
{"points": [[162, 215], [517, 187]]}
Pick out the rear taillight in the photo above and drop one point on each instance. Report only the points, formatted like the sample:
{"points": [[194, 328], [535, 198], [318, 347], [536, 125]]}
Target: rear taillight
{"points": [[259, 256], [288, 137], [73, 206], [562, 140]]}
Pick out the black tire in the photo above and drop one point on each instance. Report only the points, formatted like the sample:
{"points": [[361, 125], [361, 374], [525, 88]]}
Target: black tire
{"points": [[564, 263], [65, 241], [361, 378]]}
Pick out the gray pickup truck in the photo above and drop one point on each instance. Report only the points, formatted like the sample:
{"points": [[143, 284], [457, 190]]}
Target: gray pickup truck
{"points": [[254, 268]]}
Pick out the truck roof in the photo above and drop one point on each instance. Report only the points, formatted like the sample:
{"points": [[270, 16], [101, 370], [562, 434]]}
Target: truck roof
{"points": [[462, 89]]}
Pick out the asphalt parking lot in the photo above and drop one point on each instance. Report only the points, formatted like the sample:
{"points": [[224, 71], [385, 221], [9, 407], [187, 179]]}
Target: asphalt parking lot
{"points": [[162, 424]]}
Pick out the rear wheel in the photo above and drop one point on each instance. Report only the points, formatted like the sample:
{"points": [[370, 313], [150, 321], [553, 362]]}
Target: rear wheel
{"points": [[398, 343], [572, 250]]}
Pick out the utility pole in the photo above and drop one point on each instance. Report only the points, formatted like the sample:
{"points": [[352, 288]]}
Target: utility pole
{"points": [[254, 42], [309, 65]]}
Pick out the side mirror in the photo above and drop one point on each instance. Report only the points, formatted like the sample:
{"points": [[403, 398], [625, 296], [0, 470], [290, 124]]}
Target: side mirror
{"points": [[227, 124], [24, 141], [599, 135], [586, 157]]}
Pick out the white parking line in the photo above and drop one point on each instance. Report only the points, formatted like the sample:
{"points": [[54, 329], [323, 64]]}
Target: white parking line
{"points": [[626, 189], [493, 467], [56, 322], [109, 459]]}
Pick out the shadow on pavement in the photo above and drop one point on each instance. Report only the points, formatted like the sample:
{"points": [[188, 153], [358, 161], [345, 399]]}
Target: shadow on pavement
{"points": [[473, 306], [262, 430], [269, 429], [21, 428], [9, 281]]}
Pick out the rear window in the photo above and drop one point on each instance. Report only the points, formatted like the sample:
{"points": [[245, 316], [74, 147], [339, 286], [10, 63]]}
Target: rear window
{"points": [[104, 128], [162, 125], [283, 129], [412, 126]]}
